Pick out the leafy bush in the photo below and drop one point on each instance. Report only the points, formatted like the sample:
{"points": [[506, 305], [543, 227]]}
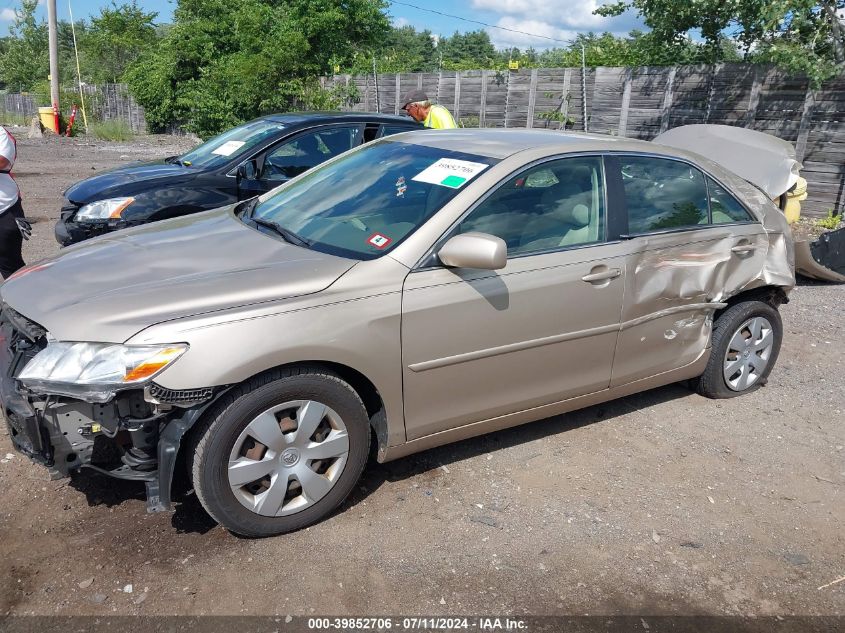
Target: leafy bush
{"points": [[831, 222]]}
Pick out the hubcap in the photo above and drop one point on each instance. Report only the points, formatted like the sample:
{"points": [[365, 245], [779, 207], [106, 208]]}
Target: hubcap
{"points": [[288, 458], [748, 353]]}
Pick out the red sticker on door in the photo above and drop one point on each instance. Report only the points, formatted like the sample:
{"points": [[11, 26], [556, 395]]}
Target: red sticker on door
{"points": [[379, 241]]}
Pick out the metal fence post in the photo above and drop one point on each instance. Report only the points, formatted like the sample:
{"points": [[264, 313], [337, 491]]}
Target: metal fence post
{"points": [[482, 108], [584, 87]]}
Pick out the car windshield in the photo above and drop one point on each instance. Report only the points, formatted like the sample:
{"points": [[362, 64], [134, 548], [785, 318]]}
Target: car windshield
{"points": [[365, 203], [221, 149]]}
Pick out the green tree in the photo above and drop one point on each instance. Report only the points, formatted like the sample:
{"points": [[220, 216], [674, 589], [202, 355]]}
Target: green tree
{"points": [[466, 51], [226, 61], [67, 57], [26, 58], [797, 35], [403, 49], [117, 38]]}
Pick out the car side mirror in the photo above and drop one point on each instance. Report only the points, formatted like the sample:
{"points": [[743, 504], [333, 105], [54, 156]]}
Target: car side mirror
{"points": [[250, 170], [474, 250]]}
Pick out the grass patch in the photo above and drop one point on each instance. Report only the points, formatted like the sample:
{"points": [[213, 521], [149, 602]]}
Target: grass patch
{"points": [[111, 130]]}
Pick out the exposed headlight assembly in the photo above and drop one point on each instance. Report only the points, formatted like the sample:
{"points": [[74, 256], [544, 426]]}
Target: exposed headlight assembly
{"points": [[94, 372], [109, 209]]}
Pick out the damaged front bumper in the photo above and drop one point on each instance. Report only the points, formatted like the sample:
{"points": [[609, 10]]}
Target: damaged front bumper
{"points": [[134, 436]]}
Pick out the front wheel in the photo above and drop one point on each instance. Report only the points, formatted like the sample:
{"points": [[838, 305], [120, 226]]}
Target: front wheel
{"points": [[280, 452], [745, 345]]}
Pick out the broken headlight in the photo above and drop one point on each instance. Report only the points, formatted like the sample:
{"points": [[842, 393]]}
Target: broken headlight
{"points": [[96, 371]]}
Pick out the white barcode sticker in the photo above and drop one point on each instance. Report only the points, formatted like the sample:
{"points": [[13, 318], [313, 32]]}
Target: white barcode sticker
{"points": [[450, 172], [228, 148]]}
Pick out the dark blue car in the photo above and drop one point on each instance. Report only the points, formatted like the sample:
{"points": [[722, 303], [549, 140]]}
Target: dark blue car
{"points": [[243, 162]]}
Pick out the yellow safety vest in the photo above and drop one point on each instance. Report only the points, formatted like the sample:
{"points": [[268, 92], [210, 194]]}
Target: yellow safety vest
{"points": [[439, 118]]}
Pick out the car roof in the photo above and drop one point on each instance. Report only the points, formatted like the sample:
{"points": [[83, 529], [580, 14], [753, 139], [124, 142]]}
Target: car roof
{"points": [[502, 143], [297, 118]]}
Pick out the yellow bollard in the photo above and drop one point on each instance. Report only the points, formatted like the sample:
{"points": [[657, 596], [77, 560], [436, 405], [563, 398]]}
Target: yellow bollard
{"points": [[794, 196]]}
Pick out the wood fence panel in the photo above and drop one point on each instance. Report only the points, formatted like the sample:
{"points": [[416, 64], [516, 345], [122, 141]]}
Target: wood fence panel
{"points": [[550, 96], [519, 96], [497, 90], [470, 98], [690, 95], [606, 107]]}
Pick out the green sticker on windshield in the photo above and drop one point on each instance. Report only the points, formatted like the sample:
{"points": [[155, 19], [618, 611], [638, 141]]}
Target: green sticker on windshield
{"points": [[453, 181]]}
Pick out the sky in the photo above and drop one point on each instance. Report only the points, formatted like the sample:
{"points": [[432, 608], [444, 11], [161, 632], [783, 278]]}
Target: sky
{"points": [[559, 19]]}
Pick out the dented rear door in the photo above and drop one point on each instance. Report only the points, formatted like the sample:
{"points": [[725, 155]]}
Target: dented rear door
{"points": [[691, 245]]}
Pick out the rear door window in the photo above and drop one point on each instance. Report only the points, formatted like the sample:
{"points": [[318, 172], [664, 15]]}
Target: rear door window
{"points": [[663, 194]]}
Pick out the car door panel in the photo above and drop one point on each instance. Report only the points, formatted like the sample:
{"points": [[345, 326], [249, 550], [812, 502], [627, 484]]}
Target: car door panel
{"points": [[489, 344], [677, 279]]}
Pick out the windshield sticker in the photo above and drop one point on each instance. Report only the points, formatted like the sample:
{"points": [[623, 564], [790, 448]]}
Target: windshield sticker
{"points": [[379, 241], [401, 187], [449, 172], [228, 148]]}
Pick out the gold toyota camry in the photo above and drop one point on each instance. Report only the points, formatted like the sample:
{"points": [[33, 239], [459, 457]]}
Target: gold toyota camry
{"points": [[422, 289]]}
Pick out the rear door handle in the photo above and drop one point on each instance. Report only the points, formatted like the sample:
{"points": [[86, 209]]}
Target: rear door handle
{"points": [[743, 249], [604, 275]]}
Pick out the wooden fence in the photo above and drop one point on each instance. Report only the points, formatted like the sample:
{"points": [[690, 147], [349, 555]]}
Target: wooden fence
{"points": [[108, 102], [640, 103]]}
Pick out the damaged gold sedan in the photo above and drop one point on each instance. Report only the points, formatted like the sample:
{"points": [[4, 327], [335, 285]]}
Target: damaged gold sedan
{"points": [[425, 288]]}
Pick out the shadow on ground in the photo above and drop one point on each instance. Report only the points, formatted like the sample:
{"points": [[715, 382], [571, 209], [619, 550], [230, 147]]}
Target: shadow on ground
{"points": [[413, 465], [189, 517]]}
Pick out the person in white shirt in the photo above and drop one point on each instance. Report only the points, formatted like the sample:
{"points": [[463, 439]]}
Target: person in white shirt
{"points": [[13, 226]]}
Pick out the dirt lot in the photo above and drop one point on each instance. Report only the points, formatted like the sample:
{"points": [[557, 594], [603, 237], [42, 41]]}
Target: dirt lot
{"points": [[663, 502]]}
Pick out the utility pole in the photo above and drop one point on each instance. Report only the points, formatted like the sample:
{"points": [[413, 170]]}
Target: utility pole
{"points": [[54, 57]]}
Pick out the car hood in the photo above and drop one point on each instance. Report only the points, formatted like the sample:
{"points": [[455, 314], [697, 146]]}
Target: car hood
{"points": [[109, 288], [126, 180]]}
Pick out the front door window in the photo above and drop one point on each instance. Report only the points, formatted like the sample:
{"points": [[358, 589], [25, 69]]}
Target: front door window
{"points": [[306, 151], [558, 204]]}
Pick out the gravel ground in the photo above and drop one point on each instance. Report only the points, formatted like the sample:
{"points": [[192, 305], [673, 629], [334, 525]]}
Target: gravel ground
{"points": [[660, 503]]}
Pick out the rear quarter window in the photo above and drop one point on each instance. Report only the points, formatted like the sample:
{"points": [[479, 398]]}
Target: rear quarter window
{"points": [[724, 208], [390, 130]]}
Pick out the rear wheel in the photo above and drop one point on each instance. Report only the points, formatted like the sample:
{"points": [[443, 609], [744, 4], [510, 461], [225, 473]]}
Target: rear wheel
{"points": [[745, 345], [280, 452]]}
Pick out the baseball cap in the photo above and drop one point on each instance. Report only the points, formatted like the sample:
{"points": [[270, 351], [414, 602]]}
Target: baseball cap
{"points": [[413, 96]]}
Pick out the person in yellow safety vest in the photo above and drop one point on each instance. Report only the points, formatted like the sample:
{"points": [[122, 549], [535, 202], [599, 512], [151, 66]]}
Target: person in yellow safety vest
{"points": [[416, 104]]}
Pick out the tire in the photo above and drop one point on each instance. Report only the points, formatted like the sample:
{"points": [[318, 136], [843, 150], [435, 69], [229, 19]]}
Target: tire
{"points": [[740, 363], [300, 476]]}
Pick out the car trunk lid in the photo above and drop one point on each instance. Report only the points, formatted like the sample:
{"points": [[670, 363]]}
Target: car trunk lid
{"points": [[762, 159]]}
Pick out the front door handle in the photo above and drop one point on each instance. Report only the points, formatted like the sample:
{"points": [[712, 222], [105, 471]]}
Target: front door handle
{"points": [[743, 249], [604, 275]]}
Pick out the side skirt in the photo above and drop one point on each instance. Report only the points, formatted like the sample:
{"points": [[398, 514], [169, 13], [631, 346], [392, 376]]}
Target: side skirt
{"points": [[545, 411]]}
